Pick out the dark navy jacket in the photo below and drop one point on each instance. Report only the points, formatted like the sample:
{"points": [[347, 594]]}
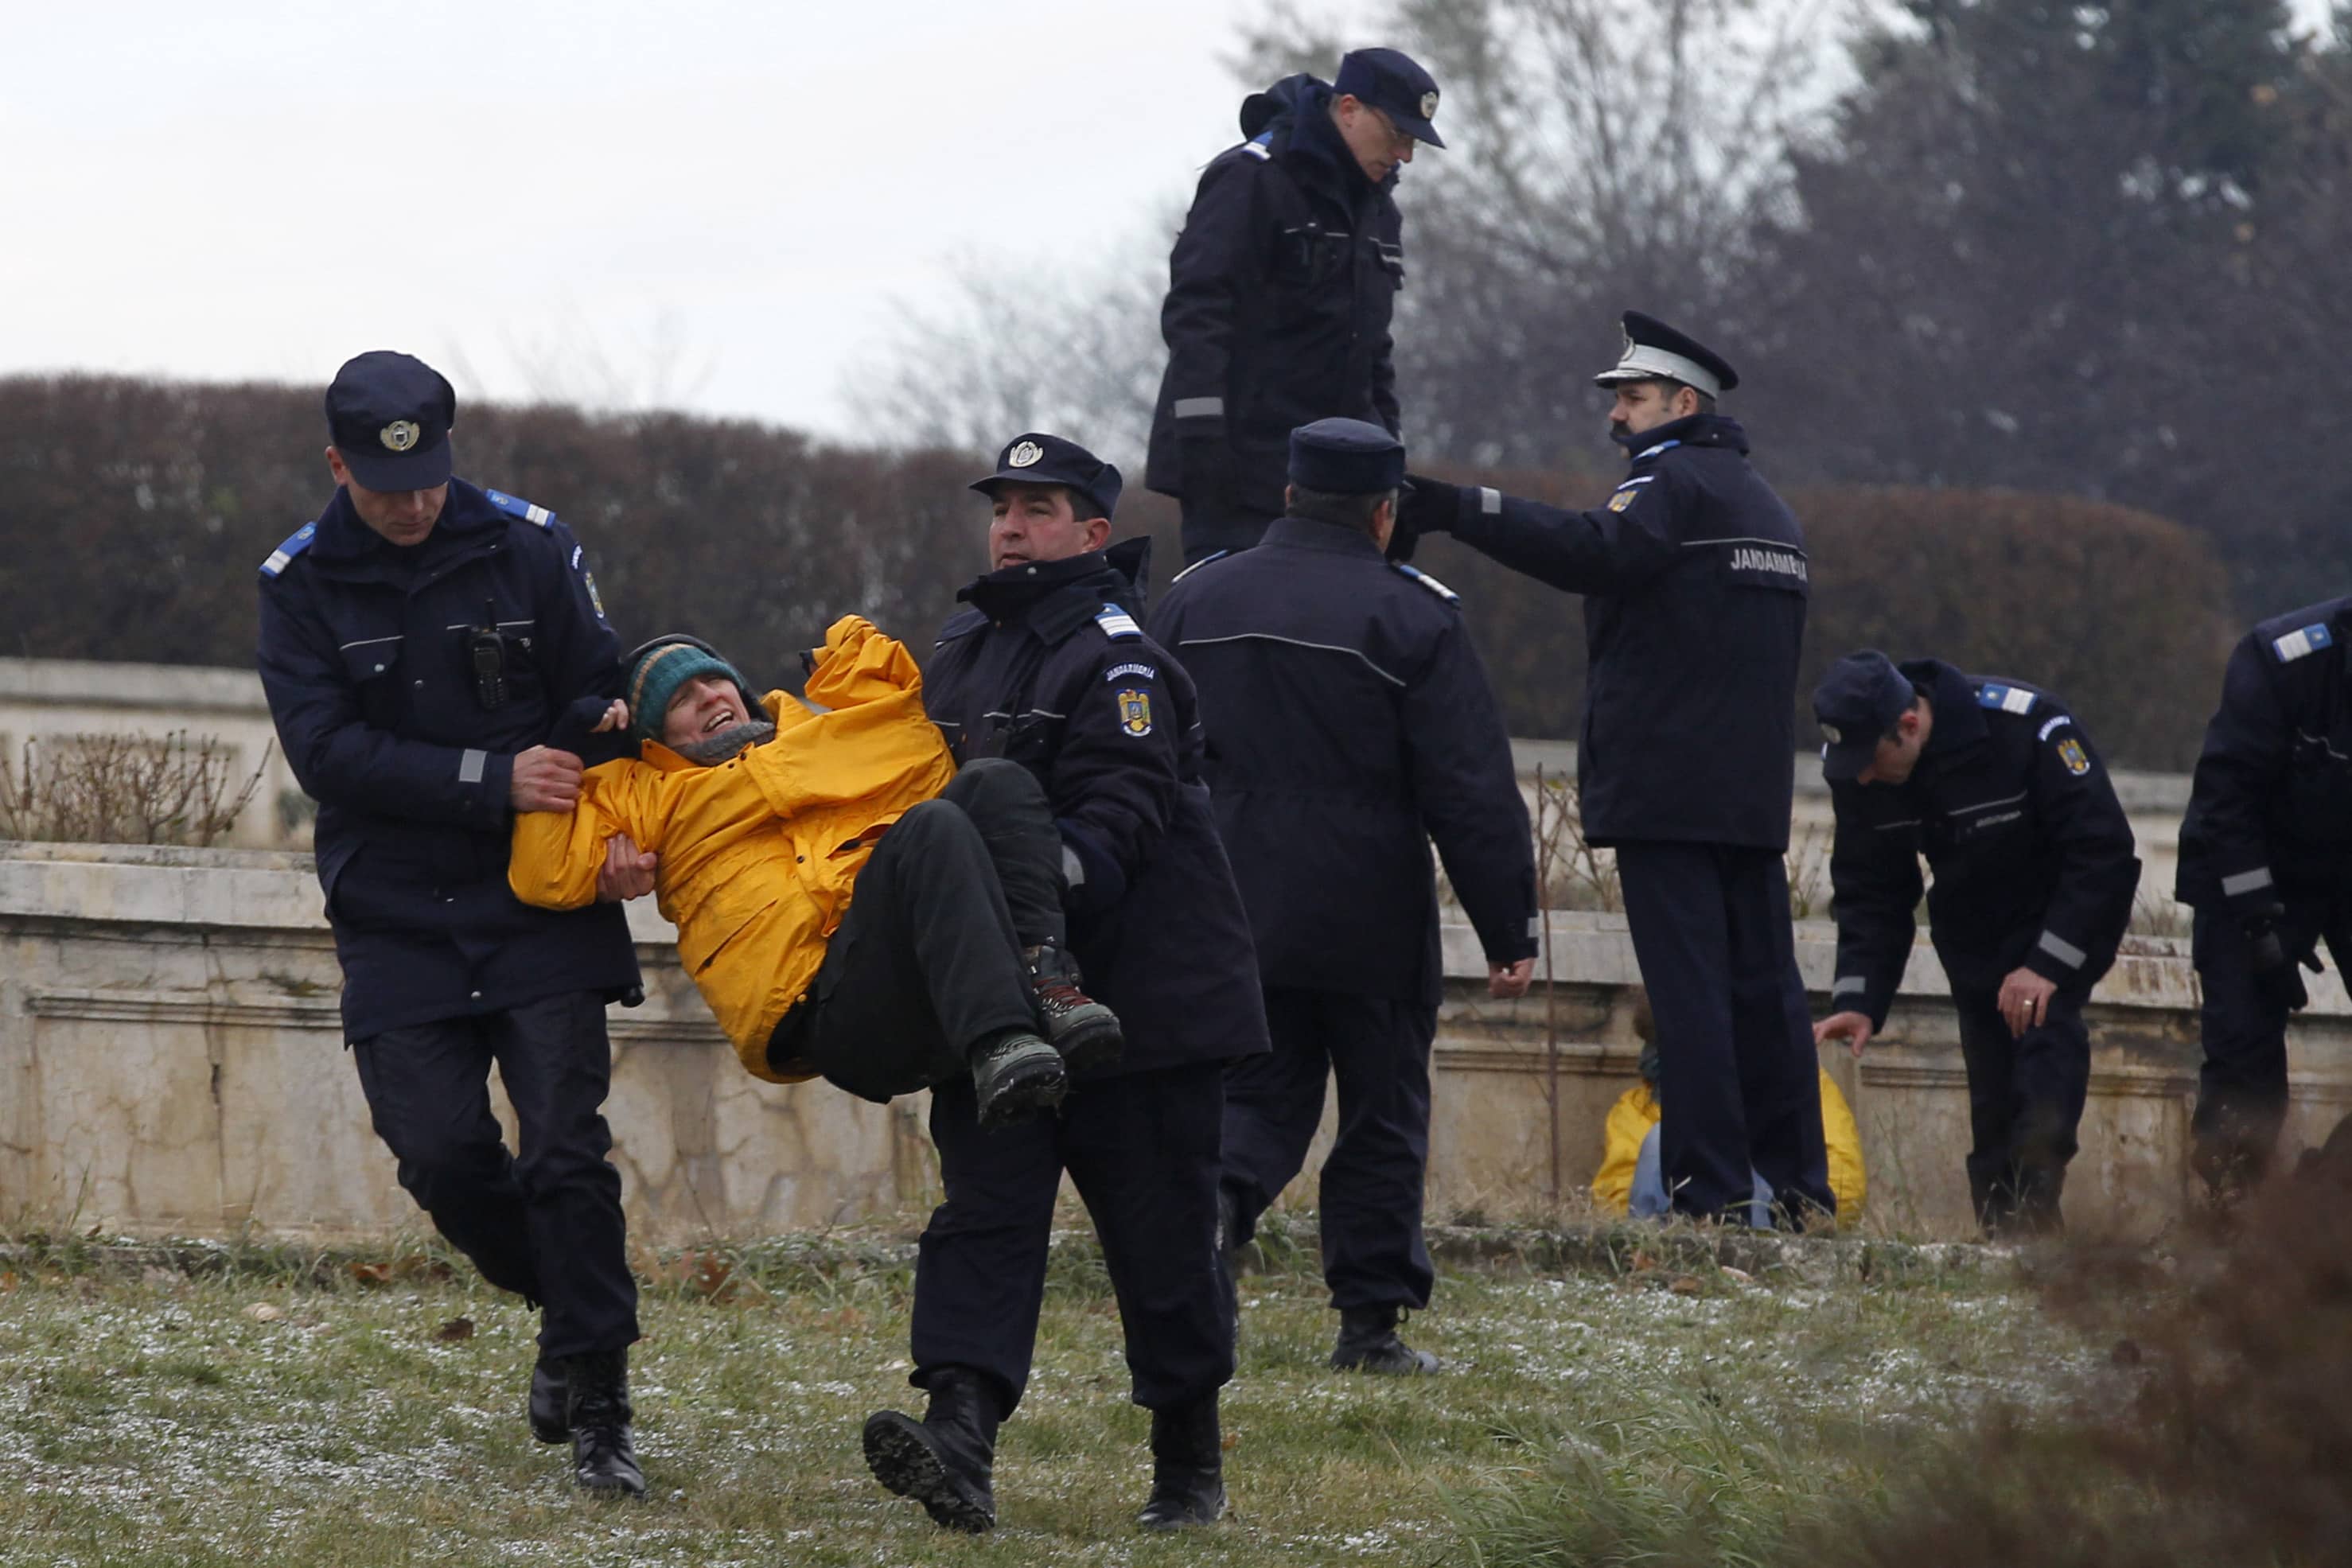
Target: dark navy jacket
{"points": [[2270, 810], [1049, 669], [1350, 723], [364, 654], [1694, 579], [1280, 292], [2019, 822]]}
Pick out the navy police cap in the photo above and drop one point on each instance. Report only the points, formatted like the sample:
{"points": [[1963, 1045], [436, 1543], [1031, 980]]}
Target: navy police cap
{"points": [[1036, 459], [1857, 703], [1345, 457], [389, 415], [1392, 82], [1654, 350]]}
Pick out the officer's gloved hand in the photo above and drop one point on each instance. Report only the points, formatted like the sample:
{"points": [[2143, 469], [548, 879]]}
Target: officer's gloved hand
{"points": [[1208, 462], [1427, 506], [2274, 970]]}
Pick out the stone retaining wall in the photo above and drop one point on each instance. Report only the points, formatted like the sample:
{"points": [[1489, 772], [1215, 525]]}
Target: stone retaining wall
{"points": [[171, 1063]]}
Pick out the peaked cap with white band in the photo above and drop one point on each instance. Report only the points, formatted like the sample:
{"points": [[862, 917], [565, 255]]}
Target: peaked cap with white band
{"points": [[1654, 352]]}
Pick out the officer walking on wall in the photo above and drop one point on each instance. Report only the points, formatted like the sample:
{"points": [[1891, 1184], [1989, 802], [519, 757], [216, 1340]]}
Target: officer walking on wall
{"points": [[1281, 287], [1049, 668], [1350, 723], [1694, 579], [418, 640], [2266, 862], [1998, 786]]}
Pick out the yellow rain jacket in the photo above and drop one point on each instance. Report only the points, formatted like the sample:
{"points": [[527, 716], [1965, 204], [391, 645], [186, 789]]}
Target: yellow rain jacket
{"points": [[1636, 1112], [758, 855]]}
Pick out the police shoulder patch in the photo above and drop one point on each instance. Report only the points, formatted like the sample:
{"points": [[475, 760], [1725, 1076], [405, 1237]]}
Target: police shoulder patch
{"points": [[2008, 699], [1212, 555], [2071, 753], [1135, 712], [1427, 581], [2302, 643], [515, 506], [295, 543], [1117, 624]]}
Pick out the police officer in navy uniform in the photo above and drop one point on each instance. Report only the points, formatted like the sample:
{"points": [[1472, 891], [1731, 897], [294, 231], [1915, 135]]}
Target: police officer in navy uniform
{"points": [[1281, 288], [1049, 668], [1998, 786], [1695, 581], [418, 642], [2266, 862], [1350, 723]]}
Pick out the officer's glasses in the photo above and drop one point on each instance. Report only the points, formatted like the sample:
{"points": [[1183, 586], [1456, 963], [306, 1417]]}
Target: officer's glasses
{"points": [[1399, 141]]}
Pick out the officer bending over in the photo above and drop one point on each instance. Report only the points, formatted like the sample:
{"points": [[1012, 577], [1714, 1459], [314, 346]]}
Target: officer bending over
{"points": [[1695, 581], [846, 903], [417, 642], [2266, 862], [1350, 723], [1997, 784], [1047, 669], [1281, 287]]}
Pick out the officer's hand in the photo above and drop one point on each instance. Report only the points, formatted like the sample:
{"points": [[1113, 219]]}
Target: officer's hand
{"points": [[545, 779], [1427, 506], [1851, 1027], [2276, 979], [627, 872], [2024, 1000], [1510, 981], [617, 716]]}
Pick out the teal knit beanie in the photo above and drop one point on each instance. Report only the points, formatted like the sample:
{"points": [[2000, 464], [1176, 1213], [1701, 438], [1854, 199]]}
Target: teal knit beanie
{"points": [[658, 672]]}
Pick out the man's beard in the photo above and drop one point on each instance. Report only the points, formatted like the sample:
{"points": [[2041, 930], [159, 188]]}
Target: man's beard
{"points": [[726, 745]]}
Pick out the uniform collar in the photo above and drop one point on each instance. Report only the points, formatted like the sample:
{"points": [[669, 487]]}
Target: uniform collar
{"points": [[1696, 430], [1051, 598], [344, 540], [1959, 722], [1332, 538]]}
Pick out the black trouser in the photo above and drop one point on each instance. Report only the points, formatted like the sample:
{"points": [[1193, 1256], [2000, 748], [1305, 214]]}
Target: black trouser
{"points": [[2025, 1102], [1141, 1148], [545, 1223], [1209, 527], [2242, 1090], [1738, 1082], [1370, 1191], [927, 962]]}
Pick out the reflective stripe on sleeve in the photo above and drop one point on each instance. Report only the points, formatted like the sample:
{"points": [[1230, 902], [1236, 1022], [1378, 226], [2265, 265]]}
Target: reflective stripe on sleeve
{"points": [[1200, 408], [470, 765], [2253, 881], [2065, 951], [1073, 870], [1851, 985], [1490, 501]]}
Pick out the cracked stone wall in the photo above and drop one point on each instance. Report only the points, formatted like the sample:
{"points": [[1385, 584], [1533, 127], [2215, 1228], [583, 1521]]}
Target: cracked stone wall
{"points": [[171, 1063]]}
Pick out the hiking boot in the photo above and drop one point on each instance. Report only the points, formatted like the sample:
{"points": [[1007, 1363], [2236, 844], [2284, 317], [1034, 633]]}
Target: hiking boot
{"points": [[943, 1460], [1188, 1484], [551, 1422], [1085, 1031], [1016, 1076], [604, 1456], [1369, 1342]]}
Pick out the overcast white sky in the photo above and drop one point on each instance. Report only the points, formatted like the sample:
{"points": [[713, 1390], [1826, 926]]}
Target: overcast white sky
{"points": [[709, 203]]}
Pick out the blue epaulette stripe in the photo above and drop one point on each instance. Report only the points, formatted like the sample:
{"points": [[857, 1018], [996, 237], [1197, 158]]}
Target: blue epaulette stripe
{"points": [[295, 543], [2008, 699], [2295, 644], [1118, 622], [515, 505], [1427, 581]]}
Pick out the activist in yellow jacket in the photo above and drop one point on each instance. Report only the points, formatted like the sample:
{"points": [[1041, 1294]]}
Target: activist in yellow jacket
{"points": [[1636, 1112], [757, 854]]}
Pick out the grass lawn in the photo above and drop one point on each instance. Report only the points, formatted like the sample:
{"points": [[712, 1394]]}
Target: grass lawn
{"points": [[271, 1410]]}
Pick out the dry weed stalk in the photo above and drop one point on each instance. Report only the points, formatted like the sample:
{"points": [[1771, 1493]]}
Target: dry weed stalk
{"points": [[125, 789]]}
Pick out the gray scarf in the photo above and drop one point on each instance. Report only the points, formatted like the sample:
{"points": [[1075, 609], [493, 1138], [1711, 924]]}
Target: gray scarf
{"points": [[729, 743]]}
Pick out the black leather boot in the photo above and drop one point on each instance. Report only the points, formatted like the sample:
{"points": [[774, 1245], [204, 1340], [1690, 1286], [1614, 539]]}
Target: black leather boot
{"points": [[942, 1461], [603, 1454], [1369, 1342], [1016, 1076], [550, 1421], [1085, 1031], [1188, 1481]]}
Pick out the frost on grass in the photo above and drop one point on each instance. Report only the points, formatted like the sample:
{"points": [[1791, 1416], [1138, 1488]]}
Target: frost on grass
{"points": [[152, 1420]]}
